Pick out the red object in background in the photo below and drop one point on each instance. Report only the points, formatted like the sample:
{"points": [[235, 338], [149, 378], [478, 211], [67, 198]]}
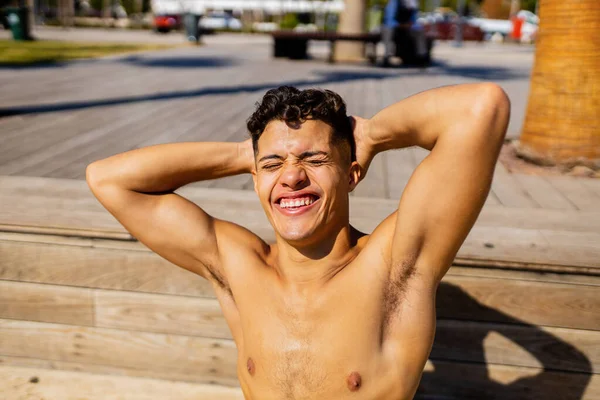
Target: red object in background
{"points": [[517, 28], [443, 30], [165, 23]]}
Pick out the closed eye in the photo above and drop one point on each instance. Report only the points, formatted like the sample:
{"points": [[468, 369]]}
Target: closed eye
{"points": [[273, 166], [317, 162]]}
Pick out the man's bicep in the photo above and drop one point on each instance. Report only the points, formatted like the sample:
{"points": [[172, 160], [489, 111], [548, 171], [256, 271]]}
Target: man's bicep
{"points": [[442, 200], [170, 225]]}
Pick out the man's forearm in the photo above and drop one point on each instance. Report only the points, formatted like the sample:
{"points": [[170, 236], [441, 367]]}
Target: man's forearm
{"points": [[419, 120], [167, 167]]}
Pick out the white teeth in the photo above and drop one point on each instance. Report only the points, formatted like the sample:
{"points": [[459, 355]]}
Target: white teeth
{"points": [[289, 203]]}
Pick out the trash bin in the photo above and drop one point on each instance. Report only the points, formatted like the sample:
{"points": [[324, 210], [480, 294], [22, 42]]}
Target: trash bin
{"points": [[18, 19], [192, 31]]}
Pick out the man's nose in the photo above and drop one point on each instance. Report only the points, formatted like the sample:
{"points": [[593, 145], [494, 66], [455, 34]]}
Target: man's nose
{"points": [[293, 176]]}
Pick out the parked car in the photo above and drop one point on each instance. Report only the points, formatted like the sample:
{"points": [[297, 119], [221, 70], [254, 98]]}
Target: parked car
{"points": [[166, 23], [218, 21]]}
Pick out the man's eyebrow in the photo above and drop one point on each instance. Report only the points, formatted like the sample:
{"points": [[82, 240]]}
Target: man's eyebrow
{"points": [[270, 157], [302, 156]]}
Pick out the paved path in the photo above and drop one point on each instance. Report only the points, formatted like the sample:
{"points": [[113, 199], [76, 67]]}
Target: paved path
{"points": [[64, 117]]}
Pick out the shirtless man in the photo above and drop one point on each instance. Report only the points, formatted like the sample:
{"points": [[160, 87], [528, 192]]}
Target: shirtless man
{"points": [[325, 312]]}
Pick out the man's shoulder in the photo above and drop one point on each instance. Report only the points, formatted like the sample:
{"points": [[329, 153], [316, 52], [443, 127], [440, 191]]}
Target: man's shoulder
{"points": [[237, 238]]}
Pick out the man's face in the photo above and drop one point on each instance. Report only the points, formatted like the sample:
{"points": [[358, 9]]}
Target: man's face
{"points": [[303, 179]]}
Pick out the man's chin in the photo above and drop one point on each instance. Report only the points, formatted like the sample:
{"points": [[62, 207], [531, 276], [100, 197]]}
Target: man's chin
{"points": [[297, 236]]}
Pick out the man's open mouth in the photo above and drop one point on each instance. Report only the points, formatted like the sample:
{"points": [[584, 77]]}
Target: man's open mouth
{"points": [[296, 203]]}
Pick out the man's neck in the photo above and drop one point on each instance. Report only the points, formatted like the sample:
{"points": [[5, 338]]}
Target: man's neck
{"points": [[314, 264]]}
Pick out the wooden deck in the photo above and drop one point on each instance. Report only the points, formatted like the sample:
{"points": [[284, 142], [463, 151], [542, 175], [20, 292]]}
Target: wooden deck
{"points": [[518, 313], [78, 113], [81, 301]]}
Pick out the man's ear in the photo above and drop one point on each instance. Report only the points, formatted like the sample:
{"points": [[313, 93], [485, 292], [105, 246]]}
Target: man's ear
{"points": [[253, 172], [353, 175]]}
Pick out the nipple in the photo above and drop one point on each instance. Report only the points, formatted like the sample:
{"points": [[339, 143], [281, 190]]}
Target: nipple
{"points": [[250, 366], [354, 381]]}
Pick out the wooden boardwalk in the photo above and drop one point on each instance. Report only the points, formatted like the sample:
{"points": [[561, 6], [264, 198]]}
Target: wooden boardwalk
{"points": [[62, 118], [81, 301], [518, 313]]}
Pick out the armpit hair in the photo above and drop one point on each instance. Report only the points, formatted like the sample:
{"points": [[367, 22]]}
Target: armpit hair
{"points": [[395, 292], [219, 279]]}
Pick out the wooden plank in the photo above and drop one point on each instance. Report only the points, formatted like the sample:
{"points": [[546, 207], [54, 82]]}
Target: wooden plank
{"points": [[160, 313], [62, 231], [151, 130], [530, 248], [372, 98], [97, 268], [51, 215], [77, 241], [46, 303], [505, 247], [400, 167], [204, 360], [559, 220], [509, 192], [592, 185], [77, 141], [492, 200], [479, 272], [32, 205], [46, 187], [508, 301], [206, 123], [451, 380], [78, 212], [519, 302], [66, 141], [143, 271], [419, 154], [543, 193], [21, 127], [30, 135], [492, 216], [65, 385], [576, 191], [458, 381], [177, 357], [375, 183], [525, 346]]}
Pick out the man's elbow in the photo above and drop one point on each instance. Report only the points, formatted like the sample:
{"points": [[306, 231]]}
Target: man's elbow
{"points": [[95, 176], [492, 108]]}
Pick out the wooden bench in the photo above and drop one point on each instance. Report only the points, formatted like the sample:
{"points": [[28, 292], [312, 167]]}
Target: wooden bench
{"points": [[294, 45], [73, 282]]}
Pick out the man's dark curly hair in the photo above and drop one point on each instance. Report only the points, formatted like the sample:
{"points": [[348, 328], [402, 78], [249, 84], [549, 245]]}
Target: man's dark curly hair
{"points": [[294, 106]]}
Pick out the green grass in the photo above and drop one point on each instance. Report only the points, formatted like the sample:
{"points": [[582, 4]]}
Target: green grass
{"points": [[50, 51]]}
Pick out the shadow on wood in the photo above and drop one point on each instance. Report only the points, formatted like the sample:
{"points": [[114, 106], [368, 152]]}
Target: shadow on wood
{"points": [[455, 373]]}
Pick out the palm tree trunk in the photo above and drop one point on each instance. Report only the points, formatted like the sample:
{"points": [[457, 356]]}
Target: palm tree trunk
{"points": [[562, 124], [352, 20], [496, 9]]}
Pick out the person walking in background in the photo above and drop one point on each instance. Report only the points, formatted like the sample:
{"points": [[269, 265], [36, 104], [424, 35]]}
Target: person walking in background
{"points": [[402, 15]]}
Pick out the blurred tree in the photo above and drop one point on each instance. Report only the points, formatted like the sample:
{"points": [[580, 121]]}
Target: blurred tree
{"points": [[352, 20], [496, 9], [471, 4], [129, 6], [289, 21], [562, 124], [528, 5]]}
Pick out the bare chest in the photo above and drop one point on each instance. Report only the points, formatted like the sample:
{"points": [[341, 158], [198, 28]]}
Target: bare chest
{"points": [[326, 345]]}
